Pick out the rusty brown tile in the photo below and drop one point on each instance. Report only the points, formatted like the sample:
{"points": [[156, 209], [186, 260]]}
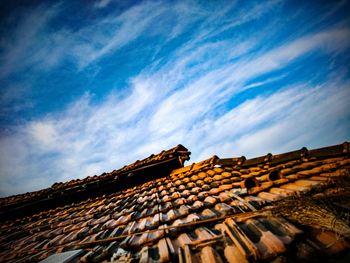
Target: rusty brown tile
{"points": [[208, 213], [281, 191], [224, 209], [294, 187], [331, 242], [270, 196], [197, 205], [54, 241], [171, 215], [91, 237], [210, 201]]}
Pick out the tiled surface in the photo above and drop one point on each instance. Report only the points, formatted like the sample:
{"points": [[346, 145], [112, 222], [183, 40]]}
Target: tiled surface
{"points": [[212, 211]]}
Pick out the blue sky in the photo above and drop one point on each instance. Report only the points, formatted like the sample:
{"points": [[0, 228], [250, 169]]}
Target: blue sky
{"points": [[89, 86]]}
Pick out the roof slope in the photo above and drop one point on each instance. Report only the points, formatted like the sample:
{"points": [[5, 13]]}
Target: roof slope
{"points": [[217, 210], [64, 193]]}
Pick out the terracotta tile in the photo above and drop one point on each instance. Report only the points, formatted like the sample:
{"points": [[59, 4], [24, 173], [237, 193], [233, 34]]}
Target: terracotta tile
{"points": [[180, 201], [197, 205], [178, 222], [195, 190], [306, 183], [131, 228], [233, 255], [155, 221], [124, 219], [224, 197], [319, 178], [89, 257], [95, 229], [238, 237], [209, 254], [293, 177], [191, 199], [210, 201], [226, 174], [225, 187], [54, 241], [175, 195], [238, 206], [200, 183], [192, 218], [92, 237], [144, 212], [224, 209], [143, 224], [182, 187], [105, 234], [172, 190], [208, 180], [7, 256], [344, 162], [281, 191], [166, 199], [183, 240], [69, 228], [337, 173], [281, 181], [210, 172], [184, 210], [294, 187], [186, 193], [23, 241], [34, 258], [218, 170], [331, 242], [165, 249], [213, 191], [202, 195], [164, 207], [268, 244], [289, 171], [292, 230], [29, 247], [69, 238], [171, 215], [156, 235], [208, 213], [269, 196]]}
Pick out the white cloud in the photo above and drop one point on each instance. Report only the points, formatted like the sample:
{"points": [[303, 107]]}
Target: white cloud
{"points": [[102, 3], [22, 48], [181, 100], [284, 121], [34, 42], [205, 93], [43, 132]]}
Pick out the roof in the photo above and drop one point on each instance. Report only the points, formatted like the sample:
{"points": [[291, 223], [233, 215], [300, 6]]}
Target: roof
{"points": [[63, 193], [217, 210]]}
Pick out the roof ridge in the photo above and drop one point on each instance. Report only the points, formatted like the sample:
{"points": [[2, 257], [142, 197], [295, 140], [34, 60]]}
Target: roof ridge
{"points": [[170, 161], [323, 152], [274, 159], [166, 160]]}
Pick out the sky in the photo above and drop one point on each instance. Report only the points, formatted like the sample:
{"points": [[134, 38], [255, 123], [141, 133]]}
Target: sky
{"points": [[87, 87]]}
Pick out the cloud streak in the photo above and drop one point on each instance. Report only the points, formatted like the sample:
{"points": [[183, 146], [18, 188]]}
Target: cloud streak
{"points": [[227, 96]]}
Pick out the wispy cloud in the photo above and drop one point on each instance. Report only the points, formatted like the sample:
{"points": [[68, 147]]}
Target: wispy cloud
{"points": [[34, 42], [20, 49], [214, 92], [102, 3]]}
